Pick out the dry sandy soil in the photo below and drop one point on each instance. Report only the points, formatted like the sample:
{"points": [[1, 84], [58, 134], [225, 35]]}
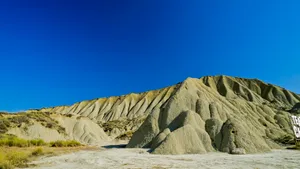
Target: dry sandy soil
{"points": [[116, 157]]}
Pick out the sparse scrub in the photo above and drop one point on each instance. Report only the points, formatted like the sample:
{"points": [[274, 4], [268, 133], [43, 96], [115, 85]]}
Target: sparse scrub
{"points": [[79, 117], [286, 139], [19, 119], [38, 151], [65, 143], [37, 142], [49, 125], [13, 141], [297, 145], [125, 136], [16, 120], [126, 124], [16, 158], [16, 152], [4, 125], [69, 115], [46, 120], [12, 159]]}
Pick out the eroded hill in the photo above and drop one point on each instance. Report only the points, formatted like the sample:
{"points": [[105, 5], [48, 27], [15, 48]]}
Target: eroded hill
{"points": [[212, 113], [90, 122], [221, 113]]}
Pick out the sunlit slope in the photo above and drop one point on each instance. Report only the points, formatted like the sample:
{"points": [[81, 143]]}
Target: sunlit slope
{"points": [[85, 121], [213, 113], [221, 113], [115, 108]]}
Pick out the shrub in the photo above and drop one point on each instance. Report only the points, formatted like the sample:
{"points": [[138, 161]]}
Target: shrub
{"points": [[58, 143], [19, 119], [16, 158], [37, 142], [125, 136], [72, 143], [17, 142], [49, 125], [4, 142], [69, 115], [37, 152], [13, 141], [298, 144], [67, 143], [286, 139], [61, 130], [4, 164], [4, 124]]}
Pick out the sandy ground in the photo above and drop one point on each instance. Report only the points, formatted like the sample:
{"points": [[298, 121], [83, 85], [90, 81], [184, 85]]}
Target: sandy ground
{"points": [[111, 157]]}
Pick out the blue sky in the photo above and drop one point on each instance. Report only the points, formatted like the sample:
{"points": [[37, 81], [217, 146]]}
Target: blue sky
{"points": [[61, 52]]}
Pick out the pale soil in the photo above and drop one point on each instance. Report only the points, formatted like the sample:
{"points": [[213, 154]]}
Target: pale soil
{"points": [[106, 158]]}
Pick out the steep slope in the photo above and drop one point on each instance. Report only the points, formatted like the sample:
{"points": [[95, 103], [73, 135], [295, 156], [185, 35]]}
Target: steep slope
{"points": [[114, 108], [222, 113]]}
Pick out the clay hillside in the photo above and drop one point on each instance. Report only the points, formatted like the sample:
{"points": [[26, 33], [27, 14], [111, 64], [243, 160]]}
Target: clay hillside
{"points": [[213, 113]]}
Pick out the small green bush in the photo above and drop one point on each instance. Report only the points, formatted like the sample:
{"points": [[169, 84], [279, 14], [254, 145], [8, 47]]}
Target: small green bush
{"points": [[16, 158], [66, 143], [18, 142], [6, 165], [13, 141], [37, 152], [58, 143], [37, 142], [4, 125], [72, 143]]}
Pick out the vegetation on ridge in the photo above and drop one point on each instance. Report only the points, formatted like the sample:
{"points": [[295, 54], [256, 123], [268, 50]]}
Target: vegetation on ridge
{"points": [[127, 126], [16, 120]]}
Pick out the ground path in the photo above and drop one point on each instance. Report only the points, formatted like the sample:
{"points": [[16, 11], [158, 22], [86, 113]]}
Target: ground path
{"points": [[106, 158]]}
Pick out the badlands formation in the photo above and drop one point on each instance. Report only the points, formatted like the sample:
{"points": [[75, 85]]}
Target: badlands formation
{"points": [[213, 113]]}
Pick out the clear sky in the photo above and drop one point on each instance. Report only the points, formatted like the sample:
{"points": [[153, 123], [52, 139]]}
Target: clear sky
{"points": [[60, 52]]}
